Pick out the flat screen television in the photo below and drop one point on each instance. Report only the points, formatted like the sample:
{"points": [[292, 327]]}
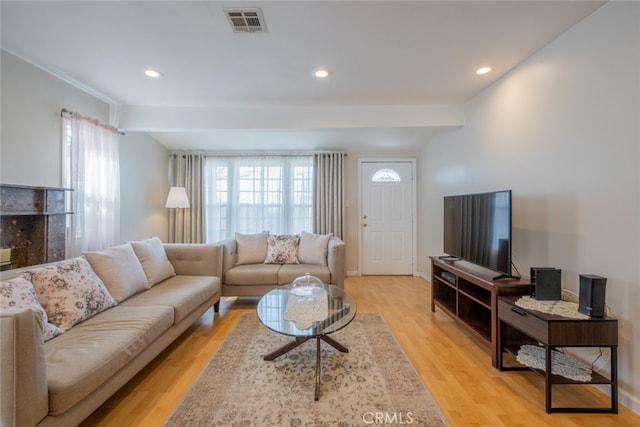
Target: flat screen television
{"points": [[477, 229]]}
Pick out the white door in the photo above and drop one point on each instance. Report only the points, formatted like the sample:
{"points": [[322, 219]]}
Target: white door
{"points": [[386, 222]]}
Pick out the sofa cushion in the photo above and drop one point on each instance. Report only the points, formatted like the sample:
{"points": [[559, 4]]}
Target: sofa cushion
{"points": [[154, 260], [183, 293], [289, 272], [251, 248], [282, 249], [313, 248], [19, 293], [251, 274], [120, 270], [83, 358], [70, 292]]}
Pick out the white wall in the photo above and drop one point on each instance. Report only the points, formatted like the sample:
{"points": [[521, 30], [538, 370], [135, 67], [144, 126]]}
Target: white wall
{"points": [[30, 149], [563, 132], [32, 100], [144, 187]]}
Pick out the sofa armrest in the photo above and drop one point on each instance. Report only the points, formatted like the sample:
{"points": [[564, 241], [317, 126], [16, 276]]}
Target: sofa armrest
{"points": [[228, 255], [336, 261], [195, 259], [23, 377]]}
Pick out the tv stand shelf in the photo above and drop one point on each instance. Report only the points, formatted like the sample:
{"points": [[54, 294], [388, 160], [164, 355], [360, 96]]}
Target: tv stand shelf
{"points": [[469, 295]]}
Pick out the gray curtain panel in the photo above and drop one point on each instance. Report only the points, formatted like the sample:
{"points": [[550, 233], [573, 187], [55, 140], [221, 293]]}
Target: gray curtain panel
{"points": [[329, 193], [187, 225]]}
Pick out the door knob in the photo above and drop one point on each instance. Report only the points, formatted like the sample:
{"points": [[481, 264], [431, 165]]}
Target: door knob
{"points": [[364, 224]]}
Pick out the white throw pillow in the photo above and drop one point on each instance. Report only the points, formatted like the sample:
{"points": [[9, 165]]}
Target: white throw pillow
{"points": [[19, 293], [251, 248], [120, 270], [282, 249], [313, 248], [70, 292], [153, 258]]}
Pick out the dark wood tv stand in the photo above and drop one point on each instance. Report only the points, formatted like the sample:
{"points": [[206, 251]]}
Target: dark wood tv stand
{"points": [[469, 295]]}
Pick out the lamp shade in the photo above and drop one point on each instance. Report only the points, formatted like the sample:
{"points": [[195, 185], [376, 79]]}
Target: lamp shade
{"points": [[177, 198]]}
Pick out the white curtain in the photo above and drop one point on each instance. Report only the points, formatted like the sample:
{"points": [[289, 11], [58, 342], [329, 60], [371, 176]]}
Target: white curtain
{"points": [[251, 194], [328, 193], [92, 169]]}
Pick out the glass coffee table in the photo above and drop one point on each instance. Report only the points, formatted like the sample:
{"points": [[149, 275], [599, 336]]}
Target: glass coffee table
{"points": [[306, 315]]}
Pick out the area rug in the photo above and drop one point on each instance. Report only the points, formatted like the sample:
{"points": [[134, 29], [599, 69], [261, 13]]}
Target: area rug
{"points": [[373, 384]]}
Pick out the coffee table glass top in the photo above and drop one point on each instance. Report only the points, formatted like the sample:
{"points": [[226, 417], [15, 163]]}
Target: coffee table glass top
{"points": [[306, 315]]}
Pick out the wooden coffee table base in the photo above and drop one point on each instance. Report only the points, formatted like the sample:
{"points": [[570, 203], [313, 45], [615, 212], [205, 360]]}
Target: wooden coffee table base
{"points": [[300, 340]]}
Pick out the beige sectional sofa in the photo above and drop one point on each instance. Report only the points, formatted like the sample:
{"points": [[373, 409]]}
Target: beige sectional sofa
{"points": [[63, 380], [254, 264]]}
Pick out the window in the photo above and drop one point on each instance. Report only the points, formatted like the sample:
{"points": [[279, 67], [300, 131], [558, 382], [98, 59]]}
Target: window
{"points": [[67, 134], [386, 175], [254, 194], [90, 165]]}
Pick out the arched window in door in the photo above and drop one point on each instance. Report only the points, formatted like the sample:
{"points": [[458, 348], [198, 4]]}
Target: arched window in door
{"points": [[386, 175]]}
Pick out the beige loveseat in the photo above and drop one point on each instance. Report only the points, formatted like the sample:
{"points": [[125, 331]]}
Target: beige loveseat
{"points": [[63, 380], [248, 272]]}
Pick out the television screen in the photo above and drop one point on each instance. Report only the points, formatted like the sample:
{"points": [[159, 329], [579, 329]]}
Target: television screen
{"points": [[477, 228]]}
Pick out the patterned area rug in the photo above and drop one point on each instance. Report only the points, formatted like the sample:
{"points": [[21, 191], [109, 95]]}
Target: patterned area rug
{"points": [[373, 384]]}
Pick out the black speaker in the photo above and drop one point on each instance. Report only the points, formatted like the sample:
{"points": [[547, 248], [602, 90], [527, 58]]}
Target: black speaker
{"points": [[546, 283], [592, 295]]}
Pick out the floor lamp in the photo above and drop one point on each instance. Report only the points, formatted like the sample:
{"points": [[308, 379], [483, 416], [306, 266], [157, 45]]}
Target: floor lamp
{"points": [[177, 198]]}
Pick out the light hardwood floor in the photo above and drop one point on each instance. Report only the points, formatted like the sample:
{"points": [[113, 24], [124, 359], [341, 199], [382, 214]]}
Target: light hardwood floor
{"points": [[456, 370]]}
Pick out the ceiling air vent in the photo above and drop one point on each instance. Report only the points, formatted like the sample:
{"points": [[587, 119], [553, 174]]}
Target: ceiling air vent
{"points": [[246, 20]]}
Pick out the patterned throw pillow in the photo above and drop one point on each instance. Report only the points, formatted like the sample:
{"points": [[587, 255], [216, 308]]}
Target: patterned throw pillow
{"points": [[19, 293], [282, 249], [313, 248], [70, 292]]}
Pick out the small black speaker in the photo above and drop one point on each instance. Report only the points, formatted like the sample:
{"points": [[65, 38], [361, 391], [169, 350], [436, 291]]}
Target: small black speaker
{"points": [[546, 283], [592, 295]]}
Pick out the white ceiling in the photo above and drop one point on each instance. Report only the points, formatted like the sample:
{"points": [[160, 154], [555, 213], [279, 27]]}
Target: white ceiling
{"points": [[381, 54]]}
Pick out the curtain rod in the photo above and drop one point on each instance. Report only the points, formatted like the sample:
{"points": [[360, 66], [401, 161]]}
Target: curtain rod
{"points": [[253, 153], [66, 113]]}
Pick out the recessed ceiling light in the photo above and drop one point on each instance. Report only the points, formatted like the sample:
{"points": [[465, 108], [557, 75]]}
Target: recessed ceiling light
{"points": [[152, 73], [483, 70], [321, 73]]}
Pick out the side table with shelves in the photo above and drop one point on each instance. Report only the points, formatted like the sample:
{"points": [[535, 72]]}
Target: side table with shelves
{"points": [[469, 295], [518, 326]]}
